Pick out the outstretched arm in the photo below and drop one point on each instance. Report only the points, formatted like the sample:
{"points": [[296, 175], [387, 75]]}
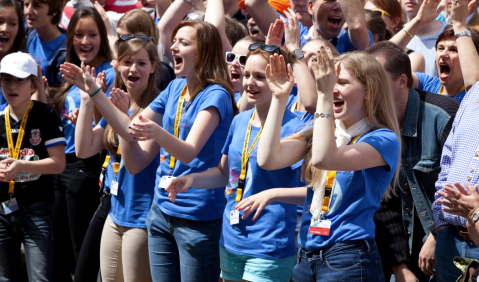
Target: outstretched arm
{"points": [[356, 19], [215, 14]]}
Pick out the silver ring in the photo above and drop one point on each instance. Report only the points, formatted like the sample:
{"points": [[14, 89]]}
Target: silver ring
{"points": [[452, 206]]}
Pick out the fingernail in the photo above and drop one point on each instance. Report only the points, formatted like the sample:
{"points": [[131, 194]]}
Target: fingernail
{"points": [[134, 137], [134, 124], [129, 127], [322, 47], [131, 132], [327, 48]]}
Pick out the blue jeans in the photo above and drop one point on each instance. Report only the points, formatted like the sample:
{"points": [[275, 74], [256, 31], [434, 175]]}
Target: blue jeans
{"points": [[449, 244], [357, 260], [32, 225], [195, 244]]}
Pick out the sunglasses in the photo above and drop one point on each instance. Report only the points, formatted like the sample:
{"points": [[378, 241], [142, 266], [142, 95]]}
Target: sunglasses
{"points": [[230, 57], [139, 36], [382, 12], [266, 47]]}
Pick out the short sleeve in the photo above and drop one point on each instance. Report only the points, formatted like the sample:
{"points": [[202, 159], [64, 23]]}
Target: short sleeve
{"points": [[159, 104], [229, 138], [53, 129], [427, 82], [216, 96], [103, 123], [387, 144], [345, 45]]}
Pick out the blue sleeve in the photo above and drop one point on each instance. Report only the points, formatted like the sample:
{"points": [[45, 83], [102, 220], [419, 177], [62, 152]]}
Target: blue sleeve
{"points": [[216, 96], [229, 138], [427, 82], [387, 144], [103, 123], [159, 104], [345, 45]]}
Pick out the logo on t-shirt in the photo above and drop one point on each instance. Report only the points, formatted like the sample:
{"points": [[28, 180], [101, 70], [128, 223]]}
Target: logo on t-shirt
{"points": [[35, 137]]}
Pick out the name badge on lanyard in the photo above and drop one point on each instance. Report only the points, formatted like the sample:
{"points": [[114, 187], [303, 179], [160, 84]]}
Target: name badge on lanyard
{"points": [[10, 206], [234, 217], [320, 227]]}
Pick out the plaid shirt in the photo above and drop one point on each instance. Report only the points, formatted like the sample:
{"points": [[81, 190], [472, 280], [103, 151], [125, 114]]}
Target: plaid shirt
{"points": [[458, 160]]}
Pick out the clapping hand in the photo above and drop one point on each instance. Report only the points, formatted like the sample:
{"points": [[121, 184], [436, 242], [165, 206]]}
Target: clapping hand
{"points": [[275, 33], [459, 201], [120, 99], [279, 77], [81, 77], [326, 72], [291, 30]]}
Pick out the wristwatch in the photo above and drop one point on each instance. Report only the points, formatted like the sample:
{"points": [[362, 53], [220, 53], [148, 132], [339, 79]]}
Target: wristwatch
{"points": [[465, 32], [475, 218], [299, 54]]}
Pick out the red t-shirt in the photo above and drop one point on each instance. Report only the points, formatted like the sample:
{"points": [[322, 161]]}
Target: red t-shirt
{"points": [[119, 6]]}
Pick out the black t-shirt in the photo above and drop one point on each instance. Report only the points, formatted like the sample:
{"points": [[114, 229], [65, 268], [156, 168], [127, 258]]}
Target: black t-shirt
{"points": [[43, 130]]}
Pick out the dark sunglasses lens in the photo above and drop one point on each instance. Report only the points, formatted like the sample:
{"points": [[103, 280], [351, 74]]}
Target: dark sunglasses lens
{"points": [[242, 60], [144, 37], [254, 46], [270, 48], [126, 37], [230, 57]]}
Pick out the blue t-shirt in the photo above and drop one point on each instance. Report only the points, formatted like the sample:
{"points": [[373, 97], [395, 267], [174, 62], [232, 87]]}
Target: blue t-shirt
{"points": [[135, 192], [356, 196], [43, 51], [194, 204], [272, 234], [72, 102], [433, 84]]}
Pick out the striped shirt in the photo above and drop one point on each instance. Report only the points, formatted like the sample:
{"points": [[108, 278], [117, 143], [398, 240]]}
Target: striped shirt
{"points": [[459, 162]]}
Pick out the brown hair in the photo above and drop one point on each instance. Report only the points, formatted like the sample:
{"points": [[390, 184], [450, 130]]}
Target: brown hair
{"points": [[138, 21], [448, 33], [252, 39], [393, 8], [234, 30], [376, 25], [125, 50], [379, 110], [19, 42], [210, 66], [54, 6], [104, 53]]}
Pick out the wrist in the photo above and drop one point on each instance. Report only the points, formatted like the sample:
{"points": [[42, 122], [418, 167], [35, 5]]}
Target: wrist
{"points": [[292, 47], [472, 212], [459, 26]]}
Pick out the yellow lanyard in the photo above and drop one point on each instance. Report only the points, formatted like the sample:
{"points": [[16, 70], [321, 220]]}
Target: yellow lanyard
{"points": [[179, 112], [293, 108], [245, 156], [441, 91], [116, 165], [331, 177], [15, 152]]}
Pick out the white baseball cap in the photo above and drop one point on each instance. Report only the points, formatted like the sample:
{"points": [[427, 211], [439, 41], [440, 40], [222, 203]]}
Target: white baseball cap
{"points": [[18, 64]]}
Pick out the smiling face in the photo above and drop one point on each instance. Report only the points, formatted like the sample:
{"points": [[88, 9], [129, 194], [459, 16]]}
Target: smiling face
{"points": [[16, 91], [328, 17], [8, 29], [254, 81], [184, 51], [447, 61], [36, 14], [136, 70], [236, 71], [86, 41], [349, 98]]}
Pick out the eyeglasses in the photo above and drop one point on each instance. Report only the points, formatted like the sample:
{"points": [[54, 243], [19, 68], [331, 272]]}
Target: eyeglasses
{"points": [[10, 80], [139, 36], [266, 47], [382, 12], [230, 58]]}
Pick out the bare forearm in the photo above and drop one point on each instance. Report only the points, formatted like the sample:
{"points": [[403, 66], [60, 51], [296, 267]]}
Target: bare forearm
{"points": [[135, 157], [181, 150], [402, 38], [324, 144], [84, 141], [171, 18], [295, 196], [356, 20], [468, 57], [263, 13], [51, 165], [210, 179], [215, 14], [306, 86], [118, 120]]}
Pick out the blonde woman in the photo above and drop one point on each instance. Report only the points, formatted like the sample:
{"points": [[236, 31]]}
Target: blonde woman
{"points": [[349, 168]]}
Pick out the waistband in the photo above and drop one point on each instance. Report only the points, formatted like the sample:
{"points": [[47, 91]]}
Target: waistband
{"points": [[368, 243]]}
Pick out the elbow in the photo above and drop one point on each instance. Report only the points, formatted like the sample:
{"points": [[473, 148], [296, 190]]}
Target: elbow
{"points": [[265, 164], [60, 167], [318, 163], [132, 169]]}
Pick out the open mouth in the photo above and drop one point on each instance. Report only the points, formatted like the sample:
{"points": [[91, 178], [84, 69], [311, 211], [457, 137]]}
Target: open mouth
{"points": [[254, 30], [178, 61], [12, 95], [4, 39], [334, 21], [444, 70], [252, 93], [338, 104], [86, 51], [132, 78], [235, 76]]}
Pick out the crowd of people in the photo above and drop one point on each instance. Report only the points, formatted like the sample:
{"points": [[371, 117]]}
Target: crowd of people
{"points": [[239, 140]]}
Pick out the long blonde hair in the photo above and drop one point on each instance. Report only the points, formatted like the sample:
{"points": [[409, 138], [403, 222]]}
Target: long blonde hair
{"points": [[379, 110]]}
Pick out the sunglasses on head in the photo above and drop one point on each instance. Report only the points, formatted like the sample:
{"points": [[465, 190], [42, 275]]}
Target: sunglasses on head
{"points": [[139, 36], [266, 47], [382, 12], [230, 57]]}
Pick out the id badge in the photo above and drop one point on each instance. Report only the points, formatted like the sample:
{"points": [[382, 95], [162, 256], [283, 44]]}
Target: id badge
{"points": [[114, 188], [320, 227], [165, 180], [10, 206], [234, 217]]}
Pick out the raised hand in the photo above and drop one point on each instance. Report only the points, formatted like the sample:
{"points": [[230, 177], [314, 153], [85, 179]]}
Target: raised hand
{"points": [[326, 72], [459, 201], [120, 99], [80, 77], [177, 185], [275, 33], [101, 80], [144, 129], [255, 202], [73, 116], [279, 77], [460, 10], [429, 11], [292, 34]]}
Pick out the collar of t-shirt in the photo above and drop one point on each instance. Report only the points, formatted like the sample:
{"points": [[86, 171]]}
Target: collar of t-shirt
{"points": [[310, 35], [468, 19]]}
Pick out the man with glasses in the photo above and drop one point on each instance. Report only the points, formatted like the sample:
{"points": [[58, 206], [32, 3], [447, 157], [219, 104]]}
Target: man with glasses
{"points": [[328, 20]]}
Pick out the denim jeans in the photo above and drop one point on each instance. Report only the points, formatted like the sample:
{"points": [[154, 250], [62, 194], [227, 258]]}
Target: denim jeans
{"points": [[449, 245], [357, 260], [195, 244], [32, 225]]}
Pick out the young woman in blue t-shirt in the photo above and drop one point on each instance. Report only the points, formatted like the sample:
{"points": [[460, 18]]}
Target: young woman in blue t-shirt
{"points": [[261, 249], [348, 168], [124, 244], [76, 196], [189, 120]]}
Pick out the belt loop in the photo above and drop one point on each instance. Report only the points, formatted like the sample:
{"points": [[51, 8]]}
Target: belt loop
{"points": [[367, 244], [321, 254]]}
